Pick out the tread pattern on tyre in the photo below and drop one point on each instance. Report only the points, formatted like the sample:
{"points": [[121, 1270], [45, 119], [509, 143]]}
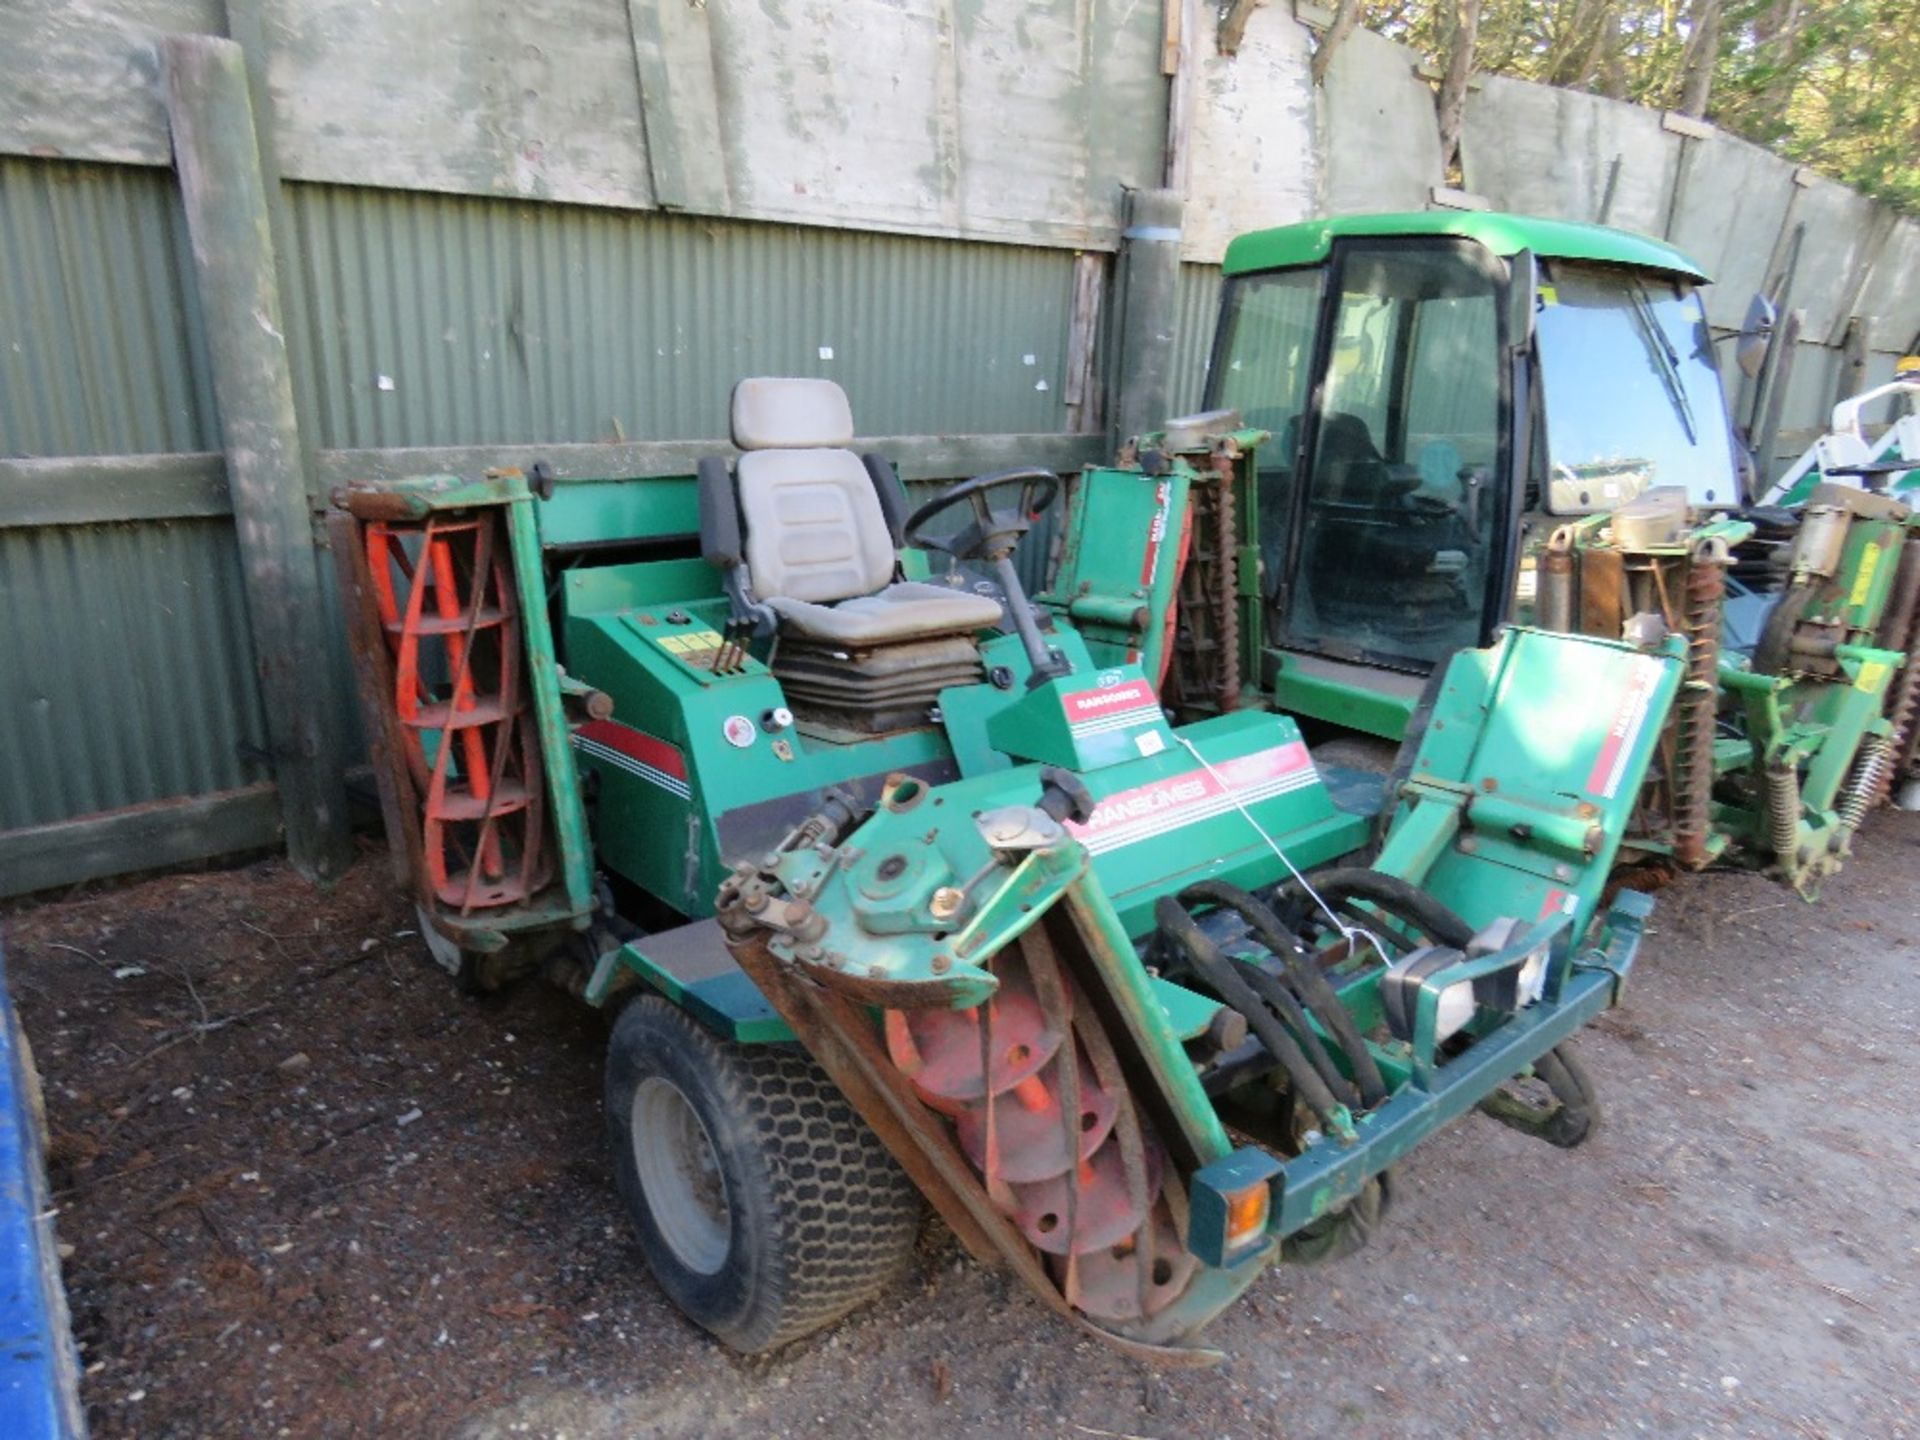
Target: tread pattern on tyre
{"points": [[853, 1213], [847, 1214]]}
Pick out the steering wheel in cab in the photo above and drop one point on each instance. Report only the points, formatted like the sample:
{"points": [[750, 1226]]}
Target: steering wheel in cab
{"points": [[988, 538]]}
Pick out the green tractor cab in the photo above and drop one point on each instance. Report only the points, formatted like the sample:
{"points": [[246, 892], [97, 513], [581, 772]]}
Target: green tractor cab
{"points": [[1440, 387], [1455, 422], [906, 886]]}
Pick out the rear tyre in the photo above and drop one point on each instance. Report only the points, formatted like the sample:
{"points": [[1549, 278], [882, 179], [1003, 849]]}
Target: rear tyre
{"points": [[765, 1206]]}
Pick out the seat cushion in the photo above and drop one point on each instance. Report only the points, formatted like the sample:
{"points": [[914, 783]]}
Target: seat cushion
{"points": [[815, 530], [906, 611]]}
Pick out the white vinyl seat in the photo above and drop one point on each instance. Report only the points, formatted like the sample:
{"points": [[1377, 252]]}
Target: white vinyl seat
{"points": [[819, 549], [905, 610]]}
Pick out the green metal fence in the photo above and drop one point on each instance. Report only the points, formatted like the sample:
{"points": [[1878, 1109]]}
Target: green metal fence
{"points": [[455, 331], [414, 321]]}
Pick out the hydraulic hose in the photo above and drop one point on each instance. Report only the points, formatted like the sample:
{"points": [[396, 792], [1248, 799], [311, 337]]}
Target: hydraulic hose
{"points": [[1308, 981], [1224, 976], [1392, 894], [1276, 993]]}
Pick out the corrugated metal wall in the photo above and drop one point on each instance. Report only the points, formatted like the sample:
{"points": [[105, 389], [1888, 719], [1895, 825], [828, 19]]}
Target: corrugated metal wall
{"points": [[125, 667], [436, 320], [100, 345], [1197, 310], [128, 670], [414, 320]]}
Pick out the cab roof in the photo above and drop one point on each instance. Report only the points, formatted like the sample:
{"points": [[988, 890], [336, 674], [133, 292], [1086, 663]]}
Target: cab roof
{"points": [[1309, 242]]}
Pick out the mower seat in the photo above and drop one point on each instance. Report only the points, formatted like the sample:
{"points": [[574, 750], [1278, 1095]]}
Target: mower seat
{"points": [[822, 528], [1351, 471], [905, 610]]}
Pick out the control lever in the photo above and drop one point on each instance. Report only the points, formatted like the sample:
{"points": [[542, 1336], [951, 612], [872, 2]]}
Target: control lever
{"points": [[1064, 795]]}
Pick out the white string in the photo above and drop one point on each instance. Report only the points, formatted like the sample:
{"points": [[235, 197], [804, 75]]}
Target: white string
{"points": [[1352, 934]]}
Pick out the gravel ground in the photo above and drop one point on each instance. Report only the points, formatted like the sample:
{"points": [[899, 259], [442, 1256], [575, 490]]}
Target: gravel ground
{"points": [[311, 1191]]}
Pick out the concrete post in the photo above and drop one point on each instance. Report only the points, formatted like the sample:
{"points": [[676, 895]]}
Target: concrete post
{"points": [[1143, 345]]}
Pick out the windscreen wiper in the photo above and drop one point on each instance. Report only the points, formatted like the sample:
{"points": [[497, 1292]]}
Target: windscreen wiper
{"points": [[1667, 359]]}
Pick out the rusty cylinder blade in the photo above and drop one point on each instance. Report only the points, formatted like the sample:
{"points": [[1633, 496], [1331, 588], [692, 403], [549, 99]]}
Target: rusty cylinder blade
{"points": [[1110, 1280], [1107, 1207], [1034, 1120], [941, 1050]]}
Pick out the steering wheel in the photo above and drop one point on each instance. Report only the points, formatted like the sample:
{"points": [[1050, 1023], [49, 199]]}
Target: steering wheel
{"points": [[988, 538], [991, 534]]}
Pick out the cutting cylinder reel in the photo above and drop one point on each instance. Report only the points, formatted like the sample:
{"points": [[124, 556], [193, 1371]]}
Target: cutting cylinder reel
{"points": [[1646, 573], [1783, 753], [1036, 1098], [445, 599]]}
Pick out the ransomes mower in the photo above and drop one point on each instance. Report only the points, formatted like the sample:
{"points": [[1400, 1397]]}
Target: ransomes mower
{"points": [[903, 886], [1480, 419]]}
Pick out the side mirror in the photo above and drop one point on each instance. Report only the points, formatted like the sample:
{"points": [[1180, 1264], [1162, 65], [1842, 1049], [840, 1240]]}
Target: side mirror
{"points": [[1523, 286], [1756, 337]]}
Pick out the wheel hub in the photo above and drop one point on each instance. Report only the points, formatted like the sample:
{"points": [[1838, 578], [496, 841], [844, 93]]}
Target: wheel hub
{"points": [[680, 1176]]}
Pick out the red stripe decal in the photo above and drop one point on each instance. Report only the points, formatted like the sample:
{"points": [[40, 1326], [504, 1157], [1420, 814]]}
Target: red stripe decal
{"points": [[1156, 532], [637, 745], [1610, 765], [1169, 620], [1163, 801]]}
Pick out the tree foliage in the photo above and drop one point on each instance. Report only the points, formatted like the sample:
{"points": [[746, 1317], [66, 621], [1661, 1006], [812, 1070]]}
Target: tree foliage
{"points": [[1830, 83]]}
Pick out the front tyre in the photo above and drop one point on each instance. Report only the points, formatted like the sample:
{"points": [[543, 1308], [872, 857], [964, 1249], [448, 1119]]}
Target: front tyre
{"points": [[765, 1206], [1343, 1232], [1564, 1116]]}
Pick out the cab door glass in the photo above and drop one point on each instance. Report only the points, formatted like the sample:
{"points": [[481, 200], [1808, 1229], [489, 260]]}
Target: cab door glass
{"points": [[1398, 527], [1261, 369]]}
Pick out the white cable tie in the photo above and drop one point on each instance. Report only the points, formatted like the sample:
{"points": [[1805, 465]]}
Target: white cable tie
{"points": [[1352, 934]]}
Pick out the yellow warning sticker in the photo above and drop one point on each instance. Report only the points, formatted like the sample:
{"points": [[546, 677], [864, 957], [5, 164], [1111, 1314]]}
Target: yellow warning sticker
{"points": [[691, 643], [1871, 674], [1869, 562]]}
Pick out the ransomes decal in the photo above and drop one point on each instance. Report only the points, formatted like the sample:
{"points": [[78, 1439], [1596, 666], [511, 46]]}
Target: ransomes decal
{"points": [[1156, 535], [1111, 707], [1179, 800]]}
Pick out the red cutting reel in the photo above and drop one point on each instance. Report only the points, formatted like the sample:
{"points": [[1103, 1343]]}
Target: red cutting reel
{"points": [[443, 587]]}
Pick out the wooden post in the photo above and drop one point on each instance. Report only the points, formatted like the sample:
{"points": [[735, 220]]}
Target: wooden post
{"points": [[1082, 394], [221, 186], [247, 30], [1182, 85], [1233, 25], [1149, 275]]}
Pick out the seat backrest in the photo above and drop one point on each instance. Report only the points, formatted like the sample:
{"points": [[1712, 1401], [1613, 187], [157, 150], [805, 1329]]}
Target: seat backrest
{"points": [[815, 529]]}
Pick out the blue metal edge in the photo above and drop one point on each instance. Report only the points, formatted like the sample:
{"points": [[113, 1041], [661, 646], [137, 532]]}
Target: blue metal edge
{"points": [[39, 1366]]}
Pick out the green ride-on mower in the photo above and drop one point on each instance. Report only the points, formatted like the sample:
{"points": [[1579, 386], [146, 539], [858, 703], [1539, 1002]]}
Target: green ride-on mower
{"points": [[901, 886], [1477, 420]]}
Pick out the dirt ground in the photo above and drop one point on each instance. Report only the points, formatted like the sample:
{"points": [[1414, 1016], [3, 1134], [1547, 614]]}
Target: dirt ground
{"points": [[309, 1190]]}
